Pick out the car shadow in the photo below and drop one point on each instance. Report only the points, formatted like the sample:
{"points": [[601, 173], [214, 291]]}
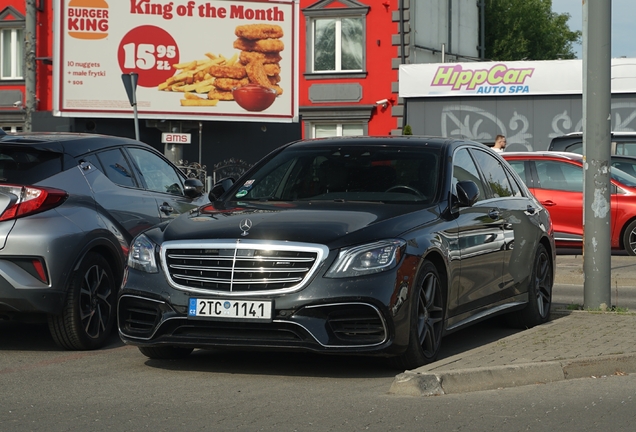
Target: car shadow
{"points": [[295, 363], [23, 336]]}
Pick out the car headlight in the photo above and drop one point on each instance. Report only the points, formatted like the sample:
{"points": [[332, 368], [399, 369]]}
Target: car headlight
{"points": [[142, 255], [367, 259]]}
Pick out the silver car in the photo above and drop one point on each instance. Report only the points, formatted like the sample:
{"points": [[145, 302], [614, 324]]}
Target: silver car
{"points": [[70, 204]]}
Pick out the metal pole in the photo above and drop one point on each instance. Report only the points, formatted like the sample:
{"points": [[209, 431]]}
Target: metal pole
{"points": [[133, 78], [597, 20], [29, 64], [200, 142]]}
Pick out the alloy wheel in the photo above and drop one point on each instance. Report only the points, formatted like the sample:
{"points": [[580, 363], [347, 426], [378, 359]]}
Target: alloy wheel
{"points": [[543, 283], [95, 301], [430, 315]]}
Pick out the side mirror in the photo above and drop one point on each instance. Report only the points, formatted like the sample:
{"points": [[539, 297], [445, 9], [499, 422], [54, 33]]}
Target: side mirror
{"points": [[193, 188], [467, 193], [220, 188]]}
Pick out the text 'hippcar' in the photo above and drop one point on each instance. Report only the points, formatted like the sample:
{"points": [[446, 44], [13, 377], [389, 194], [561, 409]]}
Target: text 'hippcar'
{"points": [[346, 245]]}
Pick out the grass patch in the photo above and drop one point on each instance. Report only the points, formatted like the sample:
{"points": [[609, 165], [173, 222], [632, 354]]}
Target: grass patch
{"points": [[616, 309]]}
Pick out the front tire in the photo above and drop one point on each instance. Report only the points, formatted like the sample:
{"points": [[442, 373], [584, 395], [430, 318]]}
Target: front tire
{"points": [[629, 238], [89, 313], [428, 309], [537, 311]]}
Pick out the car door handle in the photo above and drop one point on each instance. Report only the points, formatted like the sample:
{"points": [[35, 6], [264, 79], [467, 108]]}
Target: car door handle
{"points": [[494, 214], [548, 203], [166, 208]]}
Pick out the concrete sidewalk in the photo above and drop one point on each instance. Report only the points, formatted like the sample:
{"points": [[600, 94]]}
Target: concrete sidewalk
{"points": [[573, 344]]}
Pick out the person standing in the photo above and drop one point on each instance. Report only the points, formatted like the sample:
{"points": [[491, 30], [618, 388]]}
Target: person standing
{"points": [[500, 144]]}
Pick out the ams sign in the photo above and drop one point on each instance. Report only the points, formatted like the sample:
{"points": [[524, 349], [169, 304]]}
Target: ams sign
{"points": [[176, 138]]}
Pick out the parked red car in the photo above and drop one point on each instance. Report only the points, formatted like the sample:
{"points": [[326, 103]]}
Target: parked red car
{"points": [[556, 180]]}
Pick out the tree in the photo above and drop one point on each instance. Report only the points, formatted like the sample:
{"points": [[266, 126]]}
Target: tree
{"points": [[527, 30]]}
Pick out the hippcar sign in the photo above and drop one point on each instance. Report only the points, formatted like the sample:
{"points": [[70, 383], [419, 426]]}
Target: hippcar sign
{"points": [[191, 58], [515, 78]]}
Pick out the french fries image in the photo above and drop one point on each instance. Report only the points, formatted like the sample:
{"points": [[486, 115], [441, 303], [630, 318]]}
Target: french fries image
{"points": [[193, 77], [194, 100]]}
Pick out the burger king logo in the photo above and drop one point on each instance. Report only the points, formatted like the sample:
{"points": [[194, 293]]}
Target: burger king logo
{"points": [[87, 19]]}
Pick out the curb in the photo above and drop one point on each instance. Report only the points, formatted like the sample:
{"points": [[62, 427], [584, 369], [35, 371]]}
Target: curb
{"points": [[412, 383]]}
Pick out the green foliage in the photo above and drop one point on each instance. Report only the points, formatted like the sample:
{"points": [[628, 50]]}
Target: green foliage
{"points": [[407, 130], [527, 30]]}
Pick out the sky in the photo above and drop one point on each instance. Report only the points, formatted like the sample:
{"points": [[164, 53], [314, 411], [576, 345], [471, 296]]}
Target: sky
{"points": [[623, 24]]}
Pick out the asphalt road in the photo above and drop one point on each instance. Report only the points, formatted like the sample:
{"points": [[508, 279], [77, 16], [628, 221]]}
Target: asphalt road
{"points": [[116, 388], [45, 388]]}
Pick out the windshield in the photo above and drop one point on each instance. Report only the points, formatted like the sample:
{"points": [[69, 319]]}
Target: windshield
{"points": [[345, 173]]}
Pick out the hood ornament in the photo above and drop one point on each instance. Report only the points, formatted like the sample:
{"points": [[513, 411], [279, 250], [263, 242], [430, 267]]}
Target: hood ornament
{"points": [[245, 226]]}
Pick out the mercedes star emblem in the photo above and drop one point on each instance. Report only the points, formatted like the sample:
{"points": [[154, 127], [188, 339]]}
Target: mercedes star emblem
{"points": [[245, 226]]}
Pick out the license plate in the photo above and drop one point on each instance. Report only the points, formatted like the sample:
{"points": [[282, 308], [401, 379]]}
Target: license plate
{"points": [[230, 309]]}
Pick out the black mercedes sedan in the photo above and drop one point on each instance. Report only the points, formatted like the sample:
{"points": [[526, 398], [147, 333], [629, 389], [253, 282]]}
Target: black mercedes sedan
{"points": [[358, 245]]}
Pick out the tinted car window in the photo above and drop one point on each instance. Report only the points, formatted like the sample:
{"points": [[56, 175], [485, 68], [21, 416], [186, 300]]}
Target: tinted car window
{"points": [[464, 169], [520, 168], [28, 166], [515, 188], [626, 148], [495, 174], [354, 173], [156, 173], [116, 167], [575, 148], [623, 177], [559, 176], [93, 160]]}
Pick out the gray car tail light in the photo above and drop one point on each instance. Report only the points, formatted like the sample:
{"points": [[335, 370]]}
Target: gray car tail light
{"points": [[20, 201]]}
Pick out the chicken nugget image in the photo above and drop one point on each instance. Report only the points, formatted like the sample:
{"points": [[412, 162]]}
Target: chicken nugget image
{"points": [[272, 69], [261, 45], [274, 79], [256, 73], [236, 72], [227, 84], [259, 31], [246, 57]]}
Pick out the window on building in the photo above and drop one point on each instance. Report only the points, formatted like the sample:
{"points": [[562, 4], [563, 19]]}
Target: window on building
{"points": [[11, 53], [336, 38], [337, 129], [338, 44]]}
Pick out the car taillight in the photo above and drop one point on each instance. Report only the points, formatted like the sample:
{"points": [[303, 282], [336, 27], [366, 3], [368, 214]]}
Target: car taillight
{"points": [[30, 200]]}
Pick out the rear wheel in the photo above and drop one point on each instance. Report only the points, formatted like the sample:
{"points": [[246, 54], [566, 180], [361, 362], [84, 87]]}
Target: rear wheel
{"points": [[629, 239], [165, 352], [427, 320], [539, 293], [89, 313]]}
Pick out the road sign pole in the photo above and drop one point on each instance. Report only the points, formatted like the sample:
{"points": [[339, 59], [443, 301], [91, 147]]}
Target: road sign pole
{"points": [[597, 94], [130, 84], [133, 77]]}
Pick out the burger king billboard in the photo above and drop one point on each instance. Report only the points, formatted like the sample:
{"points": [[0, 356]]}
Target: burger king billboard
{"points": [[194, 59]]}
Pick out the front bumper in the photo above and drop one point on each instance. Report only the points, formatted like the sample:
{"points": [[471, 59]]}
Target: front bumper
{"points": [[355, 315]]}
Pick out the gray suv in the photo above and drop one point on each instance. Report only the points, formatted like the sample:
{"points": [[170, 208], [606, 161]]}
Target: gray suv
{"points": [[70, 205], [623, 143]]}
